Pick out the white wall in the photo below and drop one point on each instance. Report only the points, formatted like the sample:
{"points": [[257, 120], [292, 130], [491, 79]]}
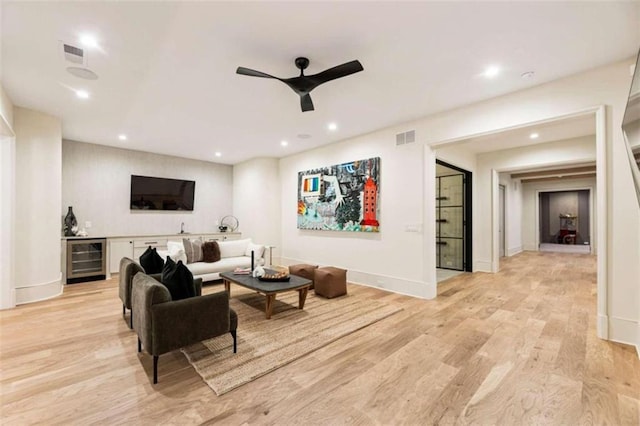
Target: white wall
{"points": [[530, 228], [396, 254], [7, 201], [391, 259], [513, 213], [457, 155], [561, 203], [38, 187], [96, 181], [256, 201]]}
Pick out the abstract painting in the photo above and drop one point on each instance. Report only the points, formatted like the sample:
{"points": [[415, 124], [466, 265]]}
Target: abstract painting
{"points": [[342, 197]]}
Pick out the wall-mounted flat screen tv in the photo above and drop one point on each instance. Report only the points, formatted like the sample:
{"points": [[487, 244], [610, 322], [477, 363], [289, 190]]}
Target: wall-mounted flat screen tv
{"points": [[153, 193]]}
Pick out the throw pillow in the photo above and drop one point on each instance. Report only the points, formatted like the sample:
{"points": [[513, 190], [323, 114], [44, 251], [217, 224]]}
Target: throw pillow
{"points": [[257, 249], [210, 252], [233, 248], [169, 266], [151, 261], [193, 250], [178, 280]]}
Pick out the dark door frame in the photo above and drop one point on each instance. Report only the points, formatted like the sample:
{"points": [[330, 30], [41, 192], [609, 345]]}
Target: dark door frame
{"points": [[468, 217]]}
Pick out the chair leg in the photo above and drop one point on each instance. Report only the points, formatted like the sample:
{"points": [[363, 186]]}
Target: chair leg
{"points": [[233, 333], [155, 369], [123, 310], [139, 345], [131, 320]]}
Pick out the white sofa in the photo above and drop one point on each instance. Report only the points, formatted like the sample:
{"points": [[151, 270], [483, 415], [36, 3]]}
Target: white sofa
{"points": [[233, 254]]}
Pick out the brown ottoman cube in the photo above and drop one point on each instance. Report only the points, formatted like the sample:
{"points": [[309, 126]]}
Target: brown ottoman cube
{"points": [[330, 282], [303, 270]]}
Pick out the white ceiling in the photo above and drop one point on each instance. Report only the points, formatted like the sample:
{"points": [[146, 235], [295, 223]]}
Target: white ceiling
{"points": [[167, 70], [561, 129]]}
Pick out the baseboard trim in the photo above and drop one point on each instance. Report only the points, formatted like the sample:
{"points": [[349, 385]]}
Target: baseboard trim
{"points": [[638, 341], [482, 266], [531, 247], [623, 330], [383, 282], [12, 300], [38, 292], [602, 327], [513, 251]]}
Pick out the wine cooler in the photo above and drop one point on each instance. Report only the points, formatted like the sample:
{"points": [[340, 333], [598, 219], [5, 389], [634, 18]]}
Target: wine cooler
{"points": [[86, 260]]}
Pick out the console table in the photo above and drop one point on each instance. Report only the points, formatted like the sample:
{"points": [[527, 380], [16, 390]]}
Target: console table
{"points": [[132, 246]]}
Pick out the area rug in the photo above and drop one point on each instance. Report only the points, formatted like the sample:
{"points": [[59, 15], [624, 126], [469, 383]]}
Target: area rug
{"points": [[265, 345]]}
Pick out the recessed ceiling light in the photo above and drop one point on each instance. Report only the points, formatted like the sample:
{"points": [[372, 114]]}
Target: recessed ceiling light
{"points": [[122, 137], [82, 94], [491, 71], [332, 126], [527, 75], [284, 143], [218, 154], [88, 40], [533, 136]]}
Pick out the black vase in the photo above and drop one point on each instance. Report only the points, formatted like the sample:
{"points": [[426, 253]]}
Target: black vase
{"points": [[70, 222]]}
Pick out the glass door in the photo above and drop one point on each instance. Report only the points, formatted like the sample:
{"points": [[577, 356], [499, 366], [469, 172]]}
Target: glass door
{"points": [[450, 222]]}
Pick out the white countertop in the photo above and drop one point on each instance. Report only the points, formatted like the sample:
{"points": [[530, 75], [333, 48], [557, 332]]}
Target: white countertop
{"points": [[185, 235]]}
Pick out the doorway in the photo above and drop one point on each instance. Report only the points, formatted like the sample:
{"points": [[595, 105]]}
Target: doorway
{"points": [[501, 220], [453, 218], [565, 221]]}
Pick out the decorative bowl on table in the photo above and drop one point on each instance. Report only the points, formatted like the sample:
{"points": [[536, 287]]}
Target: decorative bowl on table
{"points": [[276, 274]]}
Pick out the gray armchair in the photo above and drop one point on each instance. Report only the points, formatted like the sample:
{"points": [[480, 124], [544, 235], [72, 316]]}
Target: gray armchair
{"points": [[164, 325], [128, 269]]}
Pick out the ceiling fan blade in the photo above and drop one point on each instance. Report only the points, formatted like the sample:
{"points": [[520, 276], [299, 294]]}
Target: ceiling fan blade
{"points": [[306, 103], [337, 72], [253, 73]]}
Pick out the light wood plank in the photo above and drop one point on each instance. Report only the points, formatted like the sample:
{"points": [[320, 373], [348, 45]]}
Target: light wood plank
{"points": [[516, 347]]}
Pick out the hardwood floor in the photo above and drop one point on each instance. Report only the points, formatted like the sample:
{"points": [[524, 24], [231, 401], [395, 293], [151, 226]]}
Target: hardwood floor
{"points": [[517, 347]]}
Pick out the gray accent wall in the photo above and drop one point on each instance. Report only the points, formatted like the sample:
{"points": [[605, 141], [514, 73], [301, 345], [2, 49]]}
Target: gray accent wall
{"points": [[583, 217], [96, 181], [552, 204]]}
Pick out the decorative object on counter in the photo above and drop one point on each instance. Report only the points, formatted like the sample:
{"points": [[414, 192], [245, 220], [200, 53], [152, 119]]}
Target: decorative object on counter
{"points": [[82, 233], [228, 223], [70, 223]]}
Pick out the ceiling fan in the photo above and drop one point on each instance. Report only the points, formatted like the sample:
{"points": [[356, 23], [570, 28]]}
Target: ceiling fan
{"points": [[304, 84]]}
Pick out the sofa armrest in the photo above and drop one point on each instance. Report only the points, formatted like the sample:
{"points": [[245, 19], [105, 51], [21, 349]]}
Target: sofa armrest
{"points": [[185, 322], [145, 293]]}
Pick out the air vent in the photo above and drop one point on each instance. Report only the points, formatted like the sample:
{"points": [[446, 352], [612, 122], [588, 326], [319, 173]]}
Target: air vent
{"points": [[73, 54], [406, 137], [410, 136]]}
